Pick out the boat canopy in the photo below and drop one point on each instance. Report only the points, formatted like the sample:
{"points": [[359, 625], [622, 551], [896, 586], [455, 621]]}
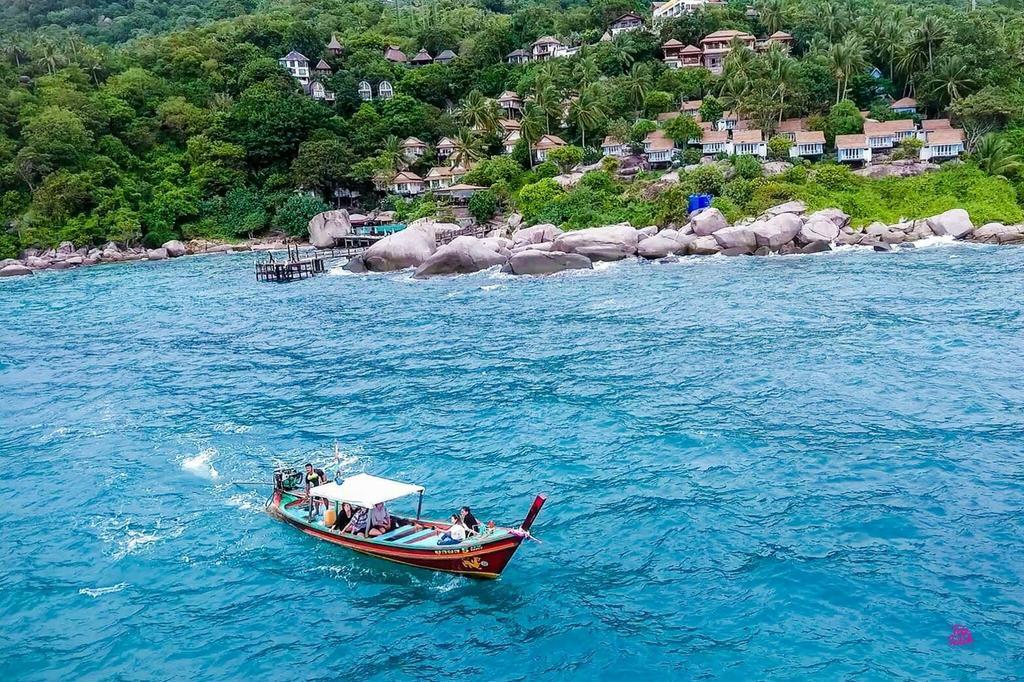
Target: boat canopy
{"points": [[364, 490]]}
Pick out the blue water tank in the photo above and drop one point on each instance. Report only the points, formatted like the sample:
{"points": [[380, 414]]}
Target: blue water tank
{"points": [[698, 201]]}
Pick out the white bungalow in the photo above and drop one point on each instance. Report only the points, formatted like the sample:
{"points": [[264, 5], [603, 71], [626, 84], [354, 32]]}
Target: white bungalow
{"points": [[902, 129], [907, 105], [407, 183], [297, 66], [692, 107], [807, 143], [943, 143], [317, 91], [511, 103], [365, 91], [385, 91], [518, 57], [631, 21], [544, 145], [853, 149], [509, 142], [930, 124], [749, 142], [714, 142], [728, 121], [659, 148], [789, 127], [544, 48], [716, 46], [676, 8], [612, 146], [445, 148], [880, 136], [439, 177], [413, 147]]}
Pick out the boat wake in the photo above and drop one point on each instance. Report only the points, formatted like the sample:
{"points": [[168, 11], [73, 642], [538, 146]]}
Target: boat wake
{"points": [[250, 502], [202, 464], [100, 591]]}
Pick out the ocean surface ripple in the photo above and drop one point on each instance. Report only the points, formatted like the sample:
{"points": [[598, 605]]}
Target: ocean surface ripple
{"points": [[799, 467]]}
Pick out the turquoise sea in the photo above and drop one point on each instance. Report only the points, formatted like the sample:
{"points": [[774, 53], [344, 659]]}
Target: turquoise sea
{"points": [[804, 467]]}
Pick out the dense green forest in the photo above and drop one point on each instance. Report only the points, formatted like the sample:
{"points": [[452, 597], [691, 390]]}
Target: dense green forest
{"points": [[151, 120]]}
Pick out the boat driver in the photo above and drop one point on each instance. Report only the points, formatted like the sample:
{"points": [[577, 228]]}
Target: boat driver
{"points": [[314, 477]]}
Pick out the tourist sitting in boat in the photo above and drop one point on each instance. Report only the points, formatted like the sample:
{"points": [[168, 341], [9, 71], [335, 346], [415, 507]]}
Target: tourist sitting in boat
{"points": [[357, 524], [344, 516], [469, 521], [380, 520], [455, 534]]}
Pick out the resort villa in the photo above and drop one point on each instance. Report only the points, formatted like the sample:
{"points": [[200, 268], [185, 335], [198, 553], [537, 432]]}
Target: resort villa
{"points": [[715, 47], [544, 145], [807, 143], [749, 142], [906, 105], [407, 183], [612, 146], [853, 149], [445, 148], [660, 11], [659, 149], [631, 21], [413, 148], [942, 143]]}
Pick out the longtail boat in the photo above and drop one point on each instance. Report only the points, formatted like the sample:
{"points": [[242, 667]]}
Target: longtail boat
{"points": [[407, 540]]}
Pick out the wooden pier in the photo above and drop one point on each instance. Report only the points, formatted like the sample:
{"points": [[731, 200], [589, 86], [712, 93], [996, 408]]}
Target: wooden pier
{"points": [[293, 268]]}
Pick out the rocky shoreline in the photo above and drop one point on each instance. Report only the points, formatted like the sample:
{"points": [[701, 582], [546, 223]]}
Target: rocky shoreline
{"points": [[545, 249], [66, 256]]}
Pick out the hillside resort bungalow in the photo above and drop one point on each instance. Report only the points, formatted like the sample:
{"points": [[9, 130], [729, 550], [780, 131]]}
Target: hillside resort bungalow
{"points": [[445, 148], [631, 21], [749, 142], [907, 105], [393, 54], [297, 66], [407, 183], [544, 145], [613, 146], [660, 11], [715, 47], [518, 57], [413, 148], [714, 142], [942, 143], [544, 48], [853, 149], [659, 149], [807, 143], [511, 104]]}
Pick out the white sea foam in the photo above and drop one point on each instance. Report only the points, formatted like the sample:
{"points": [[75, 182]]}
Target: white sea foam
{"points": [[99, 591], [249, 502], [492, 287], [132, 542], [202, 464], [932, 242], [231, 427]]}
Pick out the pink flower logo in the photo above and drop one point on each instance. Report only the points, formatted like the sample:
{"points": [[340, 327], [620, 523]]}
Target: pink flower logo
{"points": [[961, 636]]}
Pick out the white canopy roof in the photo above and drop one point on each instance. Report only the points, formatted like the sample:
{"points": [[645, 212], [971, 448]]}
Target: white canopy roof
{"points": [[364, 490]]}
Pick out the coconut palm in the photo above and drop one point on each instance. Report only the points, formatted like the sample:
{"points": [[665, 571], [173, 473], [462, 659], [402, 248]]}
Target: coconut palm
{"points": [[547, 101], [586, 71], [995, 156], [13, 50], [468, 148], [638, 84], [889, 42], [586, 111], [846, 58], [912, 61], [949, 80], [739, 61], [480, 113], [532, 128], [49, 54], [391, 153], [930, 33], [784, 75], [833, 18], [772, 14]]}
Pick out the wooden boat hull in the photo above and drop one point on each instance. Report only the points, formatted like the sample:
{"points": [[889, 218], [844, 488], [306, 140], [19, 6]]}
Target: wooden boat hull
{"points": [[486, 558]]}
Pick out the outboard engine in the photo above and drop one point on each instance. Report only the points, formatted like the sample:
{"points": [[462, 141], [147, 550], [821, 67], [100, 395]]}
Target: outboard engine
{"points": [[287, 478]]}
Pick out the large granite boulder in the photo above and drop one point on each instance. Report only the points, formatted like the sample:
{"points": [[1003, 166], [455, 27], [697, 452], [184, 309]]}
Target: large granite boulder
{"points": [[535, 234], [818, 230], [738, 236], [798, 207], [776, 167], [658, 247], [896, 169], [833, 215], [408, 248], [708, 222], [326, 227], [955, 223], [174, 248], [155, 254], [66, 248], [777, 231], [15, 270], [37, 263], [534, 262], [462, 255], [609, 243], [997, 233], [704, 246]]}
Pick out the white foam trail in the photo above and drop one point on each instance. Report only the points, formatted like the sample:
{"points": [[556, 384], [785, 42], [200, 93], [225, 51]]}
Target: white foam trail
{"points": [[99, 591], [136, 539], [930, 242], [201, 465], [245, 502], [492, 287]]}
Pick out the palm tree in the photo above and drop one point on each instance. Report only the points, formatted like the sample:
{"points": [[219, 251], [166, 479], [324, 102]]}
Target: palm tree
{"points": [[586, 71], [784, 74], [391, 153], [468, 148], [531, 129], [586, 111], [546, 98], [623, 54], [949, 80], [638, 84], [772, 15], [49, 54], [930, 33], [833, 18], [912, 61], [845, 59], [12, 49], [739, 61], [889, 41], [994, 155], [480, 113]]}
